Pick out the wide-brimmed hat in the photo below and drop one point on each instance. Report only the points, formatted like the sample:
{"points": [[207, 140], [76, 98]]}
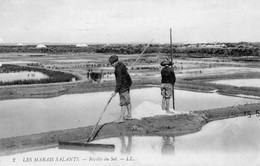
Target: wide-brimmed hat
{"points": [[113, 59], [166, 62]]}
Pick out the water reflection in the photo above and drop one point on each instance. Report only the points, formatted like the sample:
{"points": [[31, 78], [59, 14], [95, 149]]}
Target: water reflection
{"points": [[168, 145], [239, 82], [23, 75], [126, 148], [231, 141]]}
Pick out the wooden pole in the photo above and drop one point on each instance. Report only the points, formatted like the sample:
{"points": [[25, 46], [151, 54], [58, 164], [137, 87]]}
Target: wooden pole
{"points": [[132, 67], [173, 102]]}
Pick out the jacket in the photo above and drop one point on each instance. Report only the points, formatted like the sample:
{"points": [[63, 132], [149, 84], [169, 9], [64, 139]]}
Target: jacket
{"points": [[123, 79], [168, 75]]}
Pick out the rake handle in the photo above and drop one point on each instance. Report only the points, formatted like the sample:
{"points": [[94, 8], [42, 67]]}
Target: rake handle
{"points": [[99, 119]]}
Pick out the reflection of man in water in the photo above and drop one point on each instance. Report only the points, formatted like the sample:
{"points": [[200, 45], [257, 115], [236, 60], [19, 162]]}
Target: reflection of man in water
{"points": [[168, 145], [126, 149]]}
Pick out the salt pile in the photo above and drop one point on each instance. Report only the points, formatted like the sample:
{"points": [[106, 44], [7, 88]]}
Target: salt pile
{"points": [[148, 109]]}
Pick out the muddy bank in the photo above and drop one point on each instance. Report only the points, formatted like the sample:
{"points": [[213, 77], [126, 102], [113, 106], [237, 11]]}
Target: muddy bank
{"points": [[169, 125], [174, 125], [203, 83], [58, 89]]}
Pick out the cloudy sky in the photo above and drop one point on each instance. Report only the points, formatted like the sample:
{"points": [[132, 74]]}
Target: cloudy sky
{"points": [[126, 21]]}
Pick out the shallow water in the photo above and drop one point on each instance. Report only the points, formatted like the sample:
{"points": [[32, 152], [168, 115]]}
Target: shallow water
{"points": [[29, 116], [23, 75], [207, 71], [240, 82], [225, 142], [7, 61], [73, 60]]}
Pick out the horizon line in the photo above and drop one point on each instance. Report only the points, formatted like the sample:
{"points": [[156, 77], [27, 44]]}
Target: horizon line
{"points": [[74, 43]]}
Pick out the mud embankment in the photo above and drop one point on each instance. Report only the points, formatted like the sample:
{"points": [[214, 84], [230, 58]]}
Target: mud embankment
{"points": [[202, 83], [58, 89], [173, 125]]}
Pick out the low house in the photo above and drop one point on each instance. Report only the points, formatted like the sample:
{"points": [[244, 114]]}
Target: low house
{"points": [[40, 46], [82, 45]]}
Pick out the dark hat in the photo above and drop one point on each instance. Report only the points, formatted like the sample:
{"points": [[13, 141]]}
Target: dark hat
{"points": [[166, 62], [113, 59]]}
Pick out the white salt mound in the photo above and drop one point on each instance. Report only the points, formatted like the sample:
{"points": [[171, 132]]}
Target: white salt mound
{"points": [[148, 109]]}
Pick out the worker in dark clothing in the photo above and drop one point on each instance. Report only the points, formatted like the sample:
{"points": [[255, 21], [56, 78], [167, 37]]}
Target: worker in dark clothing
{"points": [[167, 83], [123, 84]]}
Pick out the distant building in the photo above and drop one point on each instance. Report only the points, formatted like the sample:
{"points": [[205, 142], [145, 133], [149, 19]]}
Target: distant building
{"points": [[223, 46], [40, 46], [192, 46], [81, 45], [19, 44]]}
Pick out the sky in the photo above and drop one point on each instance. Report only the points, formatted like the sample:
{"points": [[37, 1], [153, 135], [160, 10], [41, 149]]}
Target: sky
{"points": [[129, 21]]}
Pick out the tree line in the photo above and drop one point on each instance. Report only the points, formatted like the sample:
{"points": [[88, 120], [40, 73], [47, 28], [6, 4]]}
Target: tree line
{"points": [[231, 49]]}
